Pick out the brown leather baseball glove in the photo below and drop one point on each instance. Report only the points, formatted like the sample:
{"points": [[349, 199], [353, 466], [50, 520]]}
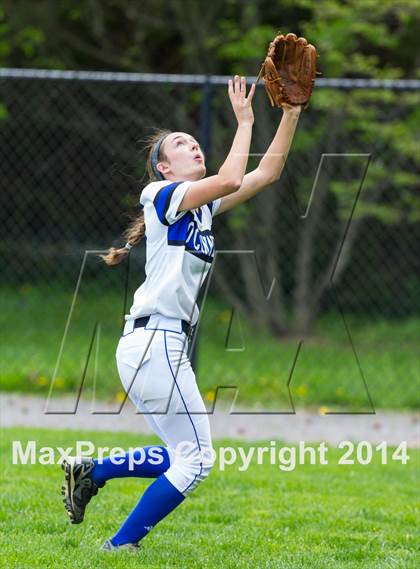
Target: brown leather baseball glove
{"points": [[289, 70]]}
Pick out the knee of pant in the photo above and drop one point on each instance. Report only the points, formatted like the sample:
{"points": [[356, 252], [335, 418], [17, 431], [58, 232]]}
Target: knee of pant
{"points": [[207, 461], [196, 466]]}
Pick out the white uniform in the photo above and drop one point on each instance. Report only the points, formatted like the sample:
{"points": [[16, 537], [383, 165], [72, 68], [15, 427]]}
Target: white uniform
{"points": [[152, 361], [179, 251]]}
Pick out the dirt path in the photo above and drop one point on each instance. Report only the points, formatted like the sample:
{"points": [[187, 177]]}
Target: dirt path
{"points": [[390, 426]]}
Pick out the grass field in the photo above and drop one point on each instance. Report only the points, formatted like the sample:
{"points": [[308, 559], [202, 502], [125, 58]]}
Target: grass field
{"points": [[326, 372], [313, 517]]}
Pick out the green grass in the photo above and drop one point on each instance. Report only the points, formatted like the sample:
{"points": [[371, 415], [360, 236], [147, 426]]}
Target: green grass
{"points": [[326, 372], [313, 517]]}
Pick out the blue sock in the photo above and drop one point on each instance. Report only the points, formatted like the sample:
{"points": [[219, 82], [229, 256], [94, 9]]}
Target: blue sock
{"points": [[153, 461], [160, 498]]}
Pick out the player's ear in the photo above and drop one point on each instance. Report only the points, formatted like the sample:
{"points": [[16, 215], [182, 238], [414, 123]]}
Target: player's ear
{"points": [[163, 167]]}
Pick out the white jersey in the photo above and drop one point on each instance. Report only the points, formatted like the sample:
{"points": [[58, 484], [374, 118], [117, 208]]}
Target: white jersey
{"points": [[179, 252]]}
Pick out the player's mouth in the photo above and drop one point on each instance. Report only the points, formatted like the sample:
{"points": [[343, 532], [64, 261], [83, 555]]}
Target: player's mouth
{"points": [[198, 158]]}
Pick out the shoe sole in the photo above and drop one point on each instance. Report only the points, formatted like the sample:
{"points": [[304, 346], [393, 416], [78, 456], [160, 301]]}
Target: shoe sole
{"points": [[67, 491]]}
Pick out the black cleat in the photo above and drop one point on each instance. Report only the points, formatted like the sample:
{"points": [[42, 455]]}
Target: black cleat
{"points": [[78, 487]]}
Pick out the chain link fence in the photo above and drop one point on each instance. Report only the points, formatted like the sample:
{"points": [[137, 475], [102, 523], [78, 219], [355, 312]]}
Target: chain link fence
{"points": [[328, 255]]}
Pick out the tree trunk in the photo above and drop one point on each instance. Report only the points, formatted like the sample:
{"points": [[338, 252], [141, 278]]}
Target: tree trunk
{"points": [[305, 305]]}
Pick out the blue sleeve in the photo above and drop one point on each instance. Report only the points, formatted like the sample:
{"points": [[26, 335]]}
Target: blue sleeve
{"points": [[167, 201], [214, 206]]}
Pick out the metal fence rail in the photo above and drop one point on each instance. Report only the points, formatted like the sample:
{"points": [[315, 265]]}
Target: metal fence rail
{"points": [[121, 77]]}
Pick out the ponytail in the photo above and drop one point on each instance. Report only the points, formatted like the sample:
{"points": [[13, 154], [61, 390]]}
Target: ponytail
{"points": [[136, 230], [134, 233]]}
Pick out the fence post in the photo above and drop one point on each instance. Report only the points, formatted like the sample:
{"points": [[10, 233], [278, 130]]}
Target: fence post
{"points": [[205, 143], [205, 115]]}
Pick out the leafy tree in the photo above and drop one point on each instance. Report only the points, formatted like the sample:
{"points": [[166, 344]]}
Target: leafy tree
{"points": [[371, 39]]}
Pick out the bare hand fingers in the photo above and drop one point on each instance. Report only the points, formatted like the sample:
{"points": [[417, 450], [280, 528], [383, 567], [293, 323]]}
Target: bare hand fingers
{"points": [[237, 85], [243, 86], [251, 92], [230, 88]]}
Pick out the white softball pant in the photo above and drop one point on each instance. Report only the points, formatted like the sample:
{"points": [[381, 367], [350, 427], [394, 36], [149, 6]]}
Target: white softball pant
{"points": [[157, 375]]}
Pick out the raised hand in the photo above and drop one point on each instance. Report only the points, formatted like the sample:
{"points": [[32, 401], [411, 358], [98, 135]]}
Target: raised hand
{"points": [[242, 105]]}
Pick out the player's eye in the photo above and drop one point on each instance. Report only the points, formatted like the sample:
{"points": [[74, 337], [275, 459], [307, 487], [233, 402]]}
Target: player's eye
{"points": [[179, 142]]}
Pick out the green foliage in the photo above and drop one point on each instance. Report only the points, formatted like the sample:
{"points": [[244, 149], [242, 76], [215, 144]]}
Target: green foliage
{"points": [[241, 217], [411, 203], [363, 38], [3, 112], [238, 46], [5, 47], [382, 123], [372, 38], [28, 40]]}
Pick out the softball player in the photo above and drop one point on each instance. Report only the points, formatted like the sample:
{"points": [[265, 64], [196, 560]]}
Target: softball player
{"points": [[176, 218]]}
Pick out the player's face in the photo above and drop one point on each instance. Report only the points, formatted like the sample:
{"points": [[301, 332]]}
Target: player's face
{"points": [[184, 158]]}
